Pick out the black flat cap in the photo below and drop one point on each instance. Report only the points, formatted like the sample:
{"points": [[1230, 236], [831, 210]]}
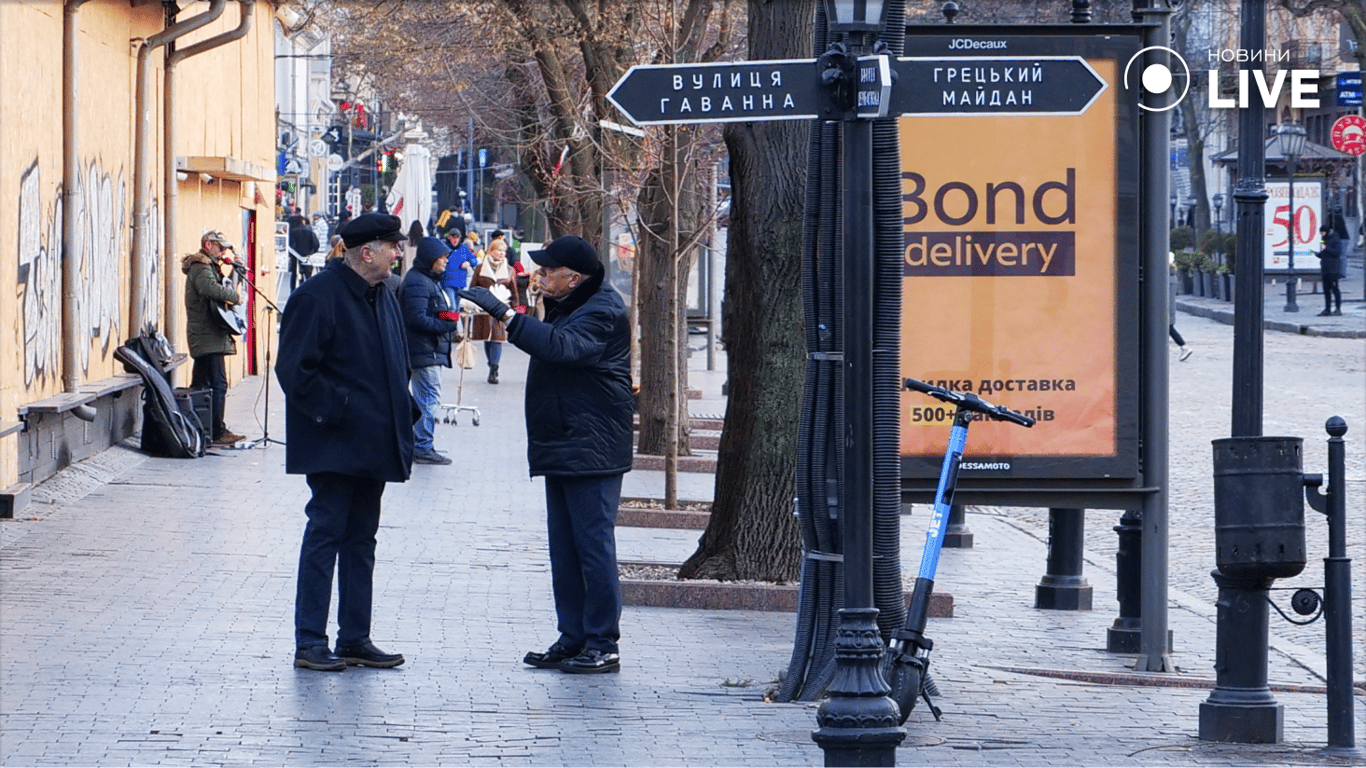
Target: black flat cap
{"points": [[569, 251], [369, 227]]}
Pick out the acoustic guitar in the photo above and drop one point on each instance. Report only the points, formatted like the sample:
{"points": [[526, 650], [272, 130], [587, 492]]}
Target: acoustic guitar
{"points": [[232, 316]]}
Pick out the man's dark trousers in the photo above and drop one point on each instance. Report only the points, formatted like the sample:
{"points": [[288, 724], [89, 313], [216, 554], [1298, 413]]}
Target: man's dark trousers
{"points": [[210, 372], [581, 517], [343, 517]]}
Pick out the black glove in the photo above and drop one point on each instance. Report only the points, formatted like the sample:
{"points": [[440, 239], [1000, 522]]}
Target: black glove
{"points": [[485, 300]]}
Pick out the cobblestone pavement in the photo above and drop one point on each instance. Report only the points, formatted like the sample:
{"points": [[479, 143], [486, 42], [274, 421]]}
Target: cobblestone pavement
{"points": [[146, 604]]}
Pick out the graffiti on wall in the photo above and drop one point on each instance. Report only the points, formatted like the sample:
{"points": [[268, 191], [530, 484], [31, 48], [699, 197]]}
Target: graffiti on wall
{"points": [[40, 279], [101, 221]]}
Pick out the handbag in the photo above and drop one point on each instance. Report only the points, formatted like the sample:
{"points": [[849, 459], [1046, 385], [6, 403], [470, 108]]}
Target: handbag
{"points": [[465, 355]]}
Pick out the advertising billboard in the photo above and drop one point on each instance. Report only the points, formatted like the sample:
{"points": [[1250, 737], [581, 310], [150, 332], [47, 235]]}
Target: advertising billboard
{"points": [[1308, 216], [1021, 260]]}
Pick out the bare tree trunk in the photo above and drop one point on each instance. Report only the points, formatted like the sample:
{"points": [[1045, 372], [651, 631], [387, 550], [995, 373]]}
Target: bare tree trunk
{"points": [[672, 369], [753, 533], [668, 227]]}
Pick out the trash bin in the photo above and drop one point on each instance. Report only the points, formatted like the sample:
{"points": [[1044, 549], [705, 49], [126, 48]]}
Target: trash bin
{"points": [[1259, 506]]}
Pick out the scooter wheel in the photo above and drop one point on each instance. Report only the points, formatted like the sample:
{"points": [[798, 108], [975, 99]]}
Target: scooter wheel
{"points": [[476, 422], [904, 680]]}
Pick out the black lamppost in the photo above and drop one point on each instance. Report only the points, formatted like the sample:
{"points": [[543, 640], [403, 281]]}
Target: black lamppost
{"points": [[1240, 708], [858, 722], [1291, 138], [1172, 201]]}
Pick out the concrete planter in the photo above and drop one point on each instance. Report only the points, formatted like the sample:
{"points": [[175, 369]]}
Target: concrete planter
{"points": [[723, 596]]}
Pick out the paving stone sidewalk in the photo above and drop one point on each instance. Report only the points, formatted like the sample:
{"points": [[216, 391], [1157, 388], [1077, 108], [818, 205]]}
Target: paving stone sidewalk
{"points": [[146, 619]]}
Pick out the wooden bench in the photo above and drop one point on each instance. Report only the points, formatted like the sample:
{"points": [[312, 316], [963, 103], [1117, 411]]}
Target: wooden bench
{"points": [[84, 394]]}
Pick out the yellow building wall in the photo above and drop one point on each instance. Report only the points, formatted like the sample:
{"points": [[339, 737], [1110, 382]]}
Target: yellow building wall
{"points": [[224, 108]]}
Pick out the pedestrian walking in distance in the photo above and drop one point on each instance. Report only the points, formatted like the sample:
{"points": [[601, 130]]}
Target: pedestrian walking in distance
{"points": [[343, 366], [1175, 335], [578, 424], [499, 277], [1330, 270]]}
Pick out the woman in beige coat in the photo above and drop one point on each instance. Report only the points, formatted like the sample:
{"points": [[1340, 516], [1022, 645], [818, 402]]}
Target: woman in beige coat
{"points": [[497, 275]]}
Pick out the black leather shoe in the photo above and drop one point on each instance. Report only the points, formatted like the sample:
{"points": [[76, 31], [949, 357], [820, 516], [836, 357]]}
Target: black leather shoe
{"points": [[367, 655], [591, 661], [318, 657], [550, 659]]}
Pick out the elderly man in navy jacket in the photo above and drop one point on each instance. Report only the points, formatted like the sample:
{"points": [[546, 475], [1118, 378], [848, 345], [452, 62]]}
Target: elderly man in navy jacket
{"points": [[578, 424], [343, 366]]}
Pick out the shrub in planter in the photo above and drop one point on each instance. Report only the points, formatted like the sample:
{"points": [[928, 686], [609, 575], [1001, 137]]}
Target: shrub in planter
{"points": [[1186, 263], [1182, 238], [1189, 261]]}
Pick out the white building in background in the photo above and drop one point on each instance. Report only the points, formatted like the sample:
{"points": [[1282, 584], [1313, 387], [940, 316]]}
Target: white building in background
{"points": [[305, 111]]}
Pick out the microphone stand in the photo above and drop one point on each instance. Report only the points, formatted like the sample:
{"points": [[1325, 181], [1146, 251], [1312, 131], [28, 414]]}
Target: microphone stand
{"points": [[265, 438]]}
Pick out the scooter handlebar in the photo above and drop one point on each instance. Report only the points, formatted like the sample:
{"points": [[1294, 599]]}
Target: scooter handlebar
{"points": [[969, 401]]}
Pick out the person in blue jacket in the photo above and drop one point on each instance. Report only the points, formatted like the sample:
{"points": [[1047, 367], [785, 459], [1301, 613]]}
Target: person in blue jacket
{"points": [[578, 424], [463, 259], [343, 366], [430, 320]]}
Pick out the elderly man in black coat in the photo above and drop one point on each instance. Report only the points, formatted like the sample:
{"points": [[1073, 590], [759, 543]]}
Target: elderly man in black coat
{"points": [[578, 424], [343, 366]]}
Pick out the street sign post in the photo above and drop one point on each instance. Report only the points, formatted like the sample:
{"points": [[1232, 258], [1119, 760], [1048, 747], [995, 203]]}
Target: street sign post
{"points": [[729, 92], [790, 89], [1060, 220], [996, 86]]}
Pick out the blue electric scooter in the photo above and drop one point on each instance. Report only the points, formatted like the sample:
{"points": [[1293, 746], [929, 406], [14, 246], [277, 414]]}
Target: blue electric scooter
{"points": [[909, 674]]}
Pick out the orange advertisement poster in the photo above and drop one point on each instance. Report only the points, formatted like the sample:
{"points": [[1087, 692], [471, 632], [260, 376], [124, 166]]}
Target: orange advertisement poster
{"points": [[1014, 274]]}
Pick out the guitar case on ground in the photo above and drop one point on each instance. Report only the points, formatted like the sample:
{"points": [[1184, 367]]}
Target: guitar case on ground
{"points": [[170, 426]]}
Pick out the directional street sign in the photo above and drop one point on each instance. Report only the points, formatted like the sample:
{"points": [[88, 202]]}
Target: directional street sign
{"points": [[781, 89], [955, 86], [790, 89]]}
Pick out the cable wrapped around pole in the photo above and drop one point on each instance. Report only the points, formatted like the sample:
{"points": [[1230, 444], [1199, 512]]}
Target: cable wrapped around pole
{"points": [[813, 628], [888, 242]]}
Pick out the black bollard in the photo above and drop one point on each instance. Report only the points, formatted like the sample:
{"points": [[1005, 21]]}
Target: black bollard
{"points": [[1337, 601], [1122, 637], [957, 535], [1062, 588]]}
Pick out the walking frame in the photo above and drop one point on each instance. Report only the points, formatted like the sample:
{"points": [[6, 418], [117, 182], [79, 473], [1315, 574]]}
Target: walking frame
{"points": [[453, 409]]}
